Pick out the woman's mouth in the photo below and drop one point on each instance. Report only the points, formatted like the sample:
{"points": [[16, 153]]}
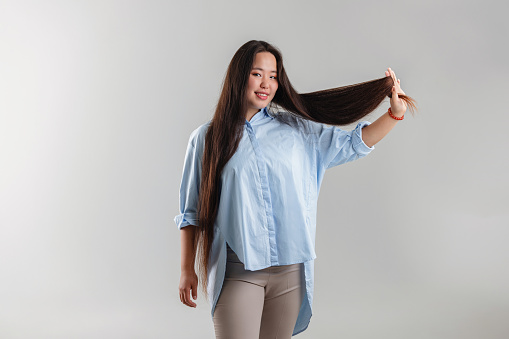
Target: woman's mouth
{"points": [[261, 95]]}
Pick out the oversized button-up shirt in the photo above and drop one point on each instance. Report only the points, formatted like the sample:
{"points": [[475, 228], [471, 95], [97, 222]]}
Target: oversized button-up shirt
{"points": [[269, 193]]}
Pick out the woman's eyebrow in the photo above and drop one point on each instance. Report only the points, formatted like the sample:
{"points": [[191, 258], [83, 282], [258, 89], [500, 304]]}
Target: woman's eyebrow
{"points": [[261, 69]]}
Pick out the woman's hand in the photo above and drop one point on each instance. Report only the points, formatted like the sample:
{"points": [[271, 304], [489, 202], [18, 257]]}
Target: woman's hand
{"points": [[398, 106], [380, 127], [188, 284]]}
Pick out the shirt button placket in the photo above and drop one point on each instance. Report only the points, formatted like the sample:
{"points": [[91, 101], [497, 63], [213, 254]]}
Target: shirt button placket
{"points": [[262, 170]]}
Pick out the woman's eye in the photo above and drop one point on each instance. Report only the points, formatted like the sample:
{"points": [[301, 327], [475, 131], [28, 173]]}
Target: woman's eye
{"points": [[259, 75]]}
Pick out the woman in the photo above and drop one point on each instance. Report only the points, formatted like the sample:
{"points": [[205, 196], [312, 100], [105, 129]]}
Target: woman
{"points": [[250, 187]]}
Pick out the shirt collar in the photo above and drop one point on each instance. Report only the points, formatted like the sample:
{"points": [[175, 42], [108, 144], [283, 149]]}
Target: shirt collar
{"points": [[262, 114]]}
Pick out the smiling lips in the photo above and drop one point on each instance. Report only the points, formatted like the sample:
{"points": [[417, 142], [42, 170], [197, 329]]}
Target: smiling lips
{"points": [[262, 95]]}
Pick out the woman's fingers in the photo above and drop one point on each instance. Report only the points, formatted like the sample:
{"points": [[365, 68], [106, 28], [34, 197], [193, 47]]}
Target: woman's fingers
{"points": [[393, 75], [185, 295], [185, 298], [397, 82], [397, 104], [190, 303], [188, 288], [394, 95], [194, 288]]}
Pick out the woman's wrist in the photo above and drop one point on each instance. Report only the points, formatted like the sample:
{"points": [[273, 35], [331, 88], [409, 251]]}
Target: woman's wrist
{"points": [[187, 269], [395, 117]]}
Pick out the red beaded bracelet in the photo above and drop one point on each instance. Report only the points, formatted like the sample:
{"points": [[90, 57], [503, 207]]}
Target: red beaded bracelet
{"points": [[394, 117]]}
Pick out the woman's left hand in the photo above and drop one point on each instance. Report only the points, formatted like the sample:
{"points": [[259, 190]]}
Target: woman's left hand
{"points": [[398, 106]]}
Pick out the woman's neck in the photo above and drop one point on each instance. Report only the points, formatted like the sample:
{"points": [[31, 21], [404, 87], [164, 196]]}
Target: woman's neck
{"points": [[251, 114]]}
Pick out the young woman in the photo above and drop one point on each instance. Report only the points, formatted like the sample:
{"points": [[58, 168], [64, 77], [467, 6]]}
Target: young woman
{"points": [[249, 190]]}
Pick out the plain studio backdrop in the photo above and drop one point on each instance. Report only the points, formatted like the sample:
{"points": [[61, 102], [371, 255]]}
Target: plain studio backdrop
{"points": [[97, 102]]}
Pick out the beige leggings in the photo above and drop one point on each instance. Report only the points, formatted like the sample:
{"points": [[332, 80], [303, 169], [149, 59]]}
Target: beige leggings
{"points": [[258, 304]]}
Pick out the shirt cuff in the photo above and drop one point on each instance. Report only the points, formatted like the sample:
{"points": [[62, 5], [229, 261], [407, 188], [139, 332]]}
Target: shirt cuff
{"points": [[186, 219], [358, 144]]}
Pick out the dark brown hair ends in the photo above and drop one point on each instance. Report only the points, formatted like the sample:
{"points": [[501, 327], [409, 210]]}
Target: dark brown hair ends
{"points": [[336, 106]]}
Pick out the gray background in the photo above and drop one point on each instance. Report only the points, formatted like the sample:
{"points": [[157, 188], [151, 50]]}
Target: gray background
{"points": [[97, 101]]}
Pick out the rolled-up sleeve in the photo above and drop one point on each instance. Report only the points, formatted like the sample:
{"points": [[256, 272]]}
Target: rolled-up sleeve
{"points": [[336, 146], [189, 188]]}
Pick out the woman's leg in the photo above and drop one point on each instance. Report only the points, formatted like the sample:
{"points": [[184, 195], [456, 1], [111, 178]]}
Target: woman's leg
{"points": [[258, 304], [284, 293], [238, 311], [239, 308]]}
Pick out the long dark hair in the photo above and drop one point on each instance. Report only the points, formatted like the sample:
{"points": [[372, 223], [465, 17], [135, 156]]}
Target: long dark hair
{"points": [[337, 106]]}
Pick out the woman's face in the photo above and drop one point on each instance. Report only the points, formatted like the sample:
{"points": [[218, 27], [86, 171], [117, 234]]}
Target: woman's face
{"points": [[262, 83]]}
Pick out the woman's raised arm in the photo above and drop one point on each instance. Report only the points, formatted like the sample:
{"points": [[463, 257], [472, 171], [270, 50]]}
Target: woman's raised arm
{"points": [[383, 125]]}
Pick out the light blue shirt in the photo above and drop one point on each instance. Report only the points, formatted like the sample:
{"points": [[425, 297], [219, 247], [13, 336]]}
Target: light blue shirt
{"points": [[269, 194]]}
